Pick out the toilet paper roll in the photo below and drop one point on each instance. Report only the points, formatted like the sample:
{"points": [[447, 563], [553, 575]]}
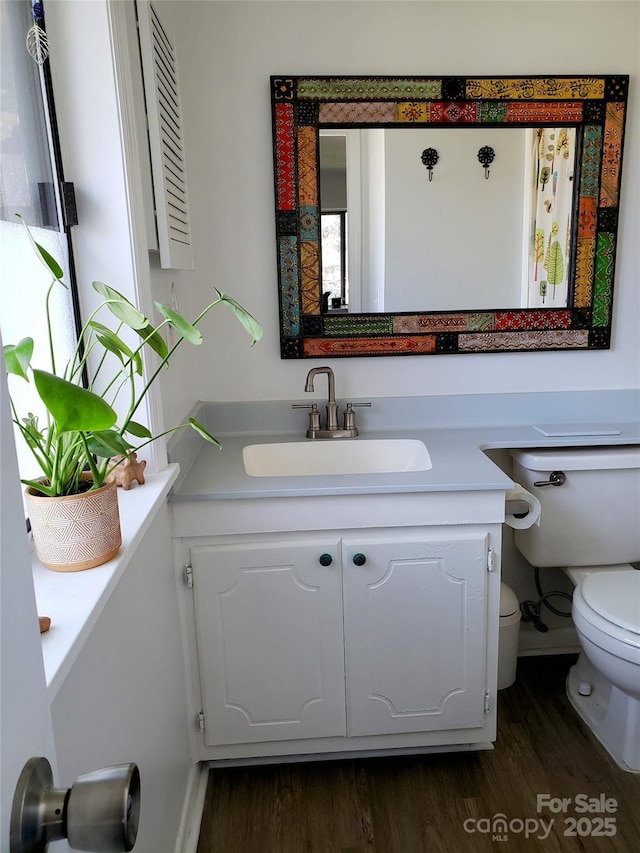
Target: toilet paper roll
{"points": [[532, 517]]}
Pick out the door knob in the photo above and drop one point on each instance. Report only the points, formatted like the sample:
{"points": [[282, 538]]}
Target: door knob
{"points": [[100, 812], [325, 559], [359, 559]]}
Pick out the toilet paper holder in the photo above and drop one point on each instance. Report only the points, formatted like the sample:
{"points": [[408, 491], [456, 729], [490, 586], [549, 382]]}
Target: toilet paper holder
{"points": [[516, 507], [100, 812]]}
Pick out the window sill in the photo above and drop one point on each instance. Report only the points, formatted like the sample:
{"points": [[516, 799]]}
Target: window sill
{"points": [[75, 600]]}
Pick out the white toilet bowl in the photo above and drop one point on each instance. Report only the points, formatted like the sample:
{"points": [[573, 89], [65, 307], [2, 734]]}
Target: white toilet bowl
{"points": [[604, 684]]}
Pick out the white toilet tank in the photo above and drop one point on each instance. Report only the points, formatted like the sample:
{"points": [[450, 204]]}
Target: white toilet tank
{"points": [[591, 520]]}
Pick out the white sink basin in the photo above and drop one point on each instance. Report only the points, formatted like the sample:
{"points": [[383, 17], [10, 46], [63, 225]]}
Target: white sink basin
{"points": [[336, 456]]}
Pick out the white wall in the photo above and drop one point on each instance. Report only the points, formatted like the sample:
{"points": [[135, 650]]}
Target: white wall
{"points": [[93, 133], [170, 287], [459, 207], [124, 699], [226, 53]]}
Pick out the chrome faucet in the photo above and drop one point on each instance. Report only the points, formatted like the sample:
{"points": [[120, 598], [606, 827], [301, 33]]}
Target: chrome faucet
{"points": [[332, 406], [331, 429]]}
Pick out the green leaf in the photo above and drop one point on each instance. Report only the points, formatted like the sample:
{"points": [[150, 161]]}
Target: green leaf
{"points": [[17, 357], [252, 326], [108, 345], [556, 264], [155, 340], [197, 426], [108, 443], [41, 488], [139, 430], [98, 449], [180, 324], [120, 307], [31, 431], [73, 407], [50, 262], [116, 345], [538, 246]]}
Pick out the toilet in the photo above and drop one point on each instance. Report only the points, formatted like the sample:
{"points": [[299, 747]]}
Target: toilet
{"points": [[590, 527]]}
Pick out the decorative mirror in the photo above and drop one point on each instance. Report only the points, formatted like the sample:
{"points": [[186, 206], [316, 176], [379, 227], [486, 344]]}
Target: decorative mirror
{"points": [[532, 267]]}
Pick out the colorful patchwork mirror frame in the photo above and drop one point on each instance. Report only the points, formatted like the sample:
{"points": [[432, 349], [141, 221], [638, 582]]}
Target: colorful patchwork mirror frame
{"points": [[303, 105]]}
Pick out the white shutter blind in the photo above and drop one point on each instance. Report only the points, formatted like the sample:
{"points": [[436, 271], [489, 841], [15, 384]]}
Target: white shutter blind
{"points": [[162, 95]]}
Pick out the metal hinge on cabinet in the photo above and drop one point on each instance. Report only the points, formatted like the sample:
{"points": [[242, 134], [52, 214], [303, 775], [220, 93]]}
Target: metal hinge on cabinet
{"points": [[200, 721], [187, 575], [487, 702], [490, 560]]}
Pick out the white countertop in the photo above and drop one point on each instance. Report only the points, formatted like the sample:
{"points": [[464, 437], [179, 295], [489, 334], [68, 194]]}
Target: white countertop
{"points": [[459, 463]]}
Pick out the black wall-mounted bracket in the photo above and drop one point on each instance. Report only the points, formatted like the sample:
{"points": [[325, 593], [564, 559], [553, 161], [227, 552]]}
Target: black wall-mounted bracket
{"points": [[429, 159], [486, 156]]}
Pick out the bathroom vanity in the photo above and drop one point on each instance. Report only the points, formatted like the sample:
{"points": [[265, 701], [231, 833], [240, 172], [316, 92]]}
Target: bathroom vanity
{"points": [[356, 623], [350, 614]]}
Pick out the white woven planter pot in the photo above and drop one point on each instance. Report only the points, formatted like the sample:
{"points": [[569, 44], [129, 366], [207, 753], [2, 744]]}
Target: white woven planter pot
{"points": [[76, 532]]}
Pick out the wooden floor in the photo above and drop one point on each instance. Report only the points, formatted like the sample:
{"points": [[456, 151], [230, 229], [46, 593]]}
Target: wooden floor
{"points": [[420, 804]]}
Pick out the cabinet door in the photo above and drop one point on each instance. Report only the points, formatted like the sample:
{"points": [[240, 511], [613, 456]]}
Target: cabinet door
{"points": [[270, 641], [415, 617]]}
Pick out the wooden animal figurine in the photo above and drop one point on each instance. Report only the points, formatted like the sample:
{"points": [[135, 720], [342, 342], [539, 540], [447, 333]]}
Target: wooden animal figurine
{"points": [[128, 470]]}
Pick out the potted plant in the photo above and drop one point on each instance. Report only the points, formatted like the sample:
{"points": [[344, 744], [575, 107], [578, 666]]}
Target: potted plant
{"points": [[76, 448]]}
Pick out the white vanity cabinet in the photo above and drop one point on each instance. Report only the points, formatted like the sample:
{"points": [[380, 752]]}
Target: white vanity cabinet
{"points": [[270, 640], [345, 641], [414, 621]]}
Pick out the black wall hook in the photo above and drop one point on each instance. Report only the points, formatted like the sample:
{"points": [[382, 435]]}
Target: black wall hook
{"points": [[486, 156], [429, 159]]}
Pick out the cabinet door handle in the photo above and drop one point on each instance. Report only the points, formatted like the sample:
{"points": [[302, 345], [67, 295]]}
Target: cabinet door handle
{"points": [[359, 559], [325, 559]]}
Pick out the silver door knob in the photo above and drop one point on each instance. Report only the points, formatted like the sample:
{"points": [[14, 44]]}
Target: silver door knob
{"points": [[100, 812]]}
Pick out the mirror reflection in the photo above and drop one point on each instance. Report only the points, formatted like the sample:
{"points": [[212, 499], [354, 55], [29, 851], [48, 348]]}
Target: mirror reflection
{"points": [[394, 240]]}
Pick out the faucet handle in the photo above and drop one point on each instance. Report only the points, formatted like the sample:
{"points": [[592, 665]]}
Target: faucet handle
{"points": [[314, 417], [350, 416]]}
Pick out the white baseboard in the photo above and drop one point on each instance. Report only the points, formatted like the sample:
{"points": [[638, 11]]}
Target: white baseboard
{"points": [[307, 758], [557, 641], [192, 808]]}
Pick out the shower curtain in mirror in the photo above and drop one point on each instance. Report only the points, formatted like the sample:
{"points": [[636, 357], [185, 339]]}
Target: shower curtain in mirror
{"points": [[552, 161]]}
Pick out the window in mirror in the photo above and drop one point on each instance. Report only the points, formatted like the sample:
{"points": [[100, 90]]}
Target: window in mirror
{"points": [[334, 260], [522, 261]]}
